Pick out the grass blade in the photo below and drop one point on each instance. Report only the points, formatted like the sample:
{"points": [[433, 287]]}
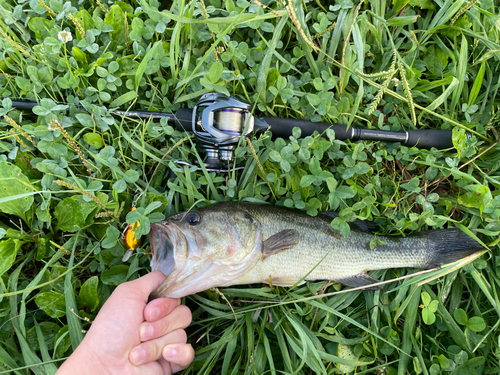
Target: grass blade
{"points": [[74, 323], [409, 327]]}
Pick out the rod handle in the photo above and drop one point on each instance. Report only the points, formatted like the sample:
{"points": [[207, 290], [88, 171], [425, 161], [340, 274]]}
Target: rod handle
{"points": [[428, 138]]}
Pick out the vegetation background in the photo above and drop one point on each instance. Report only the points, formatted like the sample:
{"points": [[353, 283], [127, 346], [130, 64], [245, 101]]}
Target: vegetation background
{"points": [[68, 177]]}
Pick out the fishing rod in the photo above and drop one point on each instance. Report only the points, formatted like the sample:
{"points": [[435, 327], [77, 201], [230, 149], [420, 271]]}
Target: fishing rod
{"points": [[218, 121]]}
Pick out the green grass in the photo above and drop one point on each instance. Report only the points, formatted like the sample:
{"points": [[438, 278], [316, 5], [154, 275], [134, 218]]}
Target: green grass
{"points": [[66, 191]]}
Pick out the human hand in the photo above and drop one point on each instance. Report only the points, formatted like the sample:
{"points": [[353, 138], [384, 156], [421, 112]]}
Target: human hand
{"points": [[131, 336]]}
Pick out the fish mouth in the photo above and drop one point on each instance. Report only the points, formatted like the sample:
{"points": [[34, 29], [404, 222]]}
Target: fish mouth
{"points": [[162, 248]]}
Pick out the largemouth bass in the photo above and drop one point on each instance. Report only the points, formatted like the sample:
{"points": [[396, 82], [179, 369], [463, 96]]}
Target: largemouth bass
{"points": [[241, 243]]}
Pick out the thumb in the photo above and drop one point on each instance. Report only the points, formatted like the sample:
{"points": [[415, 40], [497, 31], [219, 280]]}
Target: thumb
{"points": [[144, 285]]}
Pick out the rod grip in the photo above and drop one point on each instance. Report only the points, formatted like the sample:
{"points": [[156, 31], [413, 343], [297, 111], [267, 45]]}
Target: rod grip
{"points": [[428, 138], [282, 127]]}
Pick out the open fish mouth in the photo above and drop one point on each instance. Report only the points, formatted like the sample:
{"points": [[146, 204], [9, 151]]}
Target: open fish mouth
{"points": [[162, 247]]}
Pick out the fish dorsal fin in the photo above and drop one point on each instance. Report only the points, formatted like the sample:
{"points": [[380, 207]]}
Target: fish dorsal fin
{"points": [[362, 225], [284, 240], [362, 279]]}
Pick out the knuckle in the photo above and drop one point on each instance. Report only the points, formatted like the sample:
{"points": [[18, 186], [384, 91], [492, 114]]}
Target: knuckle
{"points": [[164, 326], [154, 349]]}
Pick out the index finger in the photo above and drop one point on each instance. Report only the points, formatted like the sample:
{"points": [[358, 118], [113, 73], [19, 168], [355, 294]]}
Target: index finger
{"points": [[160, 308]]}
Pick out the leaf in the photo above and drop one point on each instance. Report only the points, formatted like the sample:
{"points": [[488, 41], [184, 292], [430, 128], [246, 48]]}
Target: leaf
{"points": [[469, 367], [14, 182], [122, 99], [345, 229], [120, 186], [41, 27], [443, 361], [54, 304], [93, 139], [115, 275], [307, 180], [8, 252], [426, 298], [460, 316], [73, 213], [40, 111], [436, 60], [49, 331], [362, 168], [422, 4], [314, 166], [144, 63], [112, 235], [402, 21], [215, 72], [433, 306], [478, 83], [74, 322], [428, 316], [24, 84], [116, 19], [88, 293], [62, 342], [131, 176], [399, 4], [476, 324], [344, 192], [85, 119], [345, 352], [152, 206]]}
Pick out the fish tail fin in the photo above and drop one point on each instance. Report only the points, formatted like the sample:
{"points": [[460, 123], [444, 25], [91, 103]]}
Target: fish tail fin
{"points": [[450, 245]]}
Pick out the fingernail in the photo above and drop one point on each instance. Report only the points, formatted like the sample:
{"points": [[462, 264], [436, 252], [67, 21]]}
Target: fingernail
{"points": [[170, 354], [154, 313], [137, 356], [147, 331]]}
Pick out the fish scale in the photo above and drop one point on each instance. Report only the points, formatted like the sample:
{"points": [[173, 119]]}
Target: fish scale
{"points": [[344, 257], [233, 243]]}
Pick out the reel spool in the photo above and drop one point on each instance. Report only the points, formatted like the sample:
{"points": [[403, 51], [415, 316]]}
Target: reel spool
{"points": [[218, 123]]}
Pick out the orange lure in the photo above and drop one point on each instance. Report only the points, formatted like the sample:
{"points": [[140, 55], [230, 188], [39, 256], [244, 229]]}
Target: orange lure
{"points": [[131, 241]]}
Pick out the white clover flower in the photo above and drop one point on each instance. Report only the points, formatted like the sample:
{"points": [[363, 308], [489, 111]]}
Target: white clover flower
{"points": [[65, 36], [396, 82], [51, 127]]}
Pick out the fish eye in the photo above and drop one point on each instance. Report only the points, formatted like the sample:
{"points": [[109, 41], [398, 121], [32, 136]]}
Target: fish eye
{"points": [[193, 218]]}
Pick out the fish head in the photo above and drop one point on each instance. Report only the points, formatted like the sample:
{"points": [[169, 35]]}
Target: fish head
{"points": [[199, 250]]}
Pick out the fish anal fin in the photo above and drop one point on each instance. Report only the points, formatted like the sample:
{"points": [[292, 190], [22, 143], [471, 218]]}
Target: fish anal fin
{"points": [[282, 281], [359, 280], [284, 240]]}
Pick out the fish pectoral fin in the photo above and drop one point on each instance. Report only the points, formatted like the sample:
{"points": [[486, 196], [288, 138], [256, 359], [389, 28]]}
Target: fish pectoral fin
{"points": [[284, 240], [362, 279]]}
